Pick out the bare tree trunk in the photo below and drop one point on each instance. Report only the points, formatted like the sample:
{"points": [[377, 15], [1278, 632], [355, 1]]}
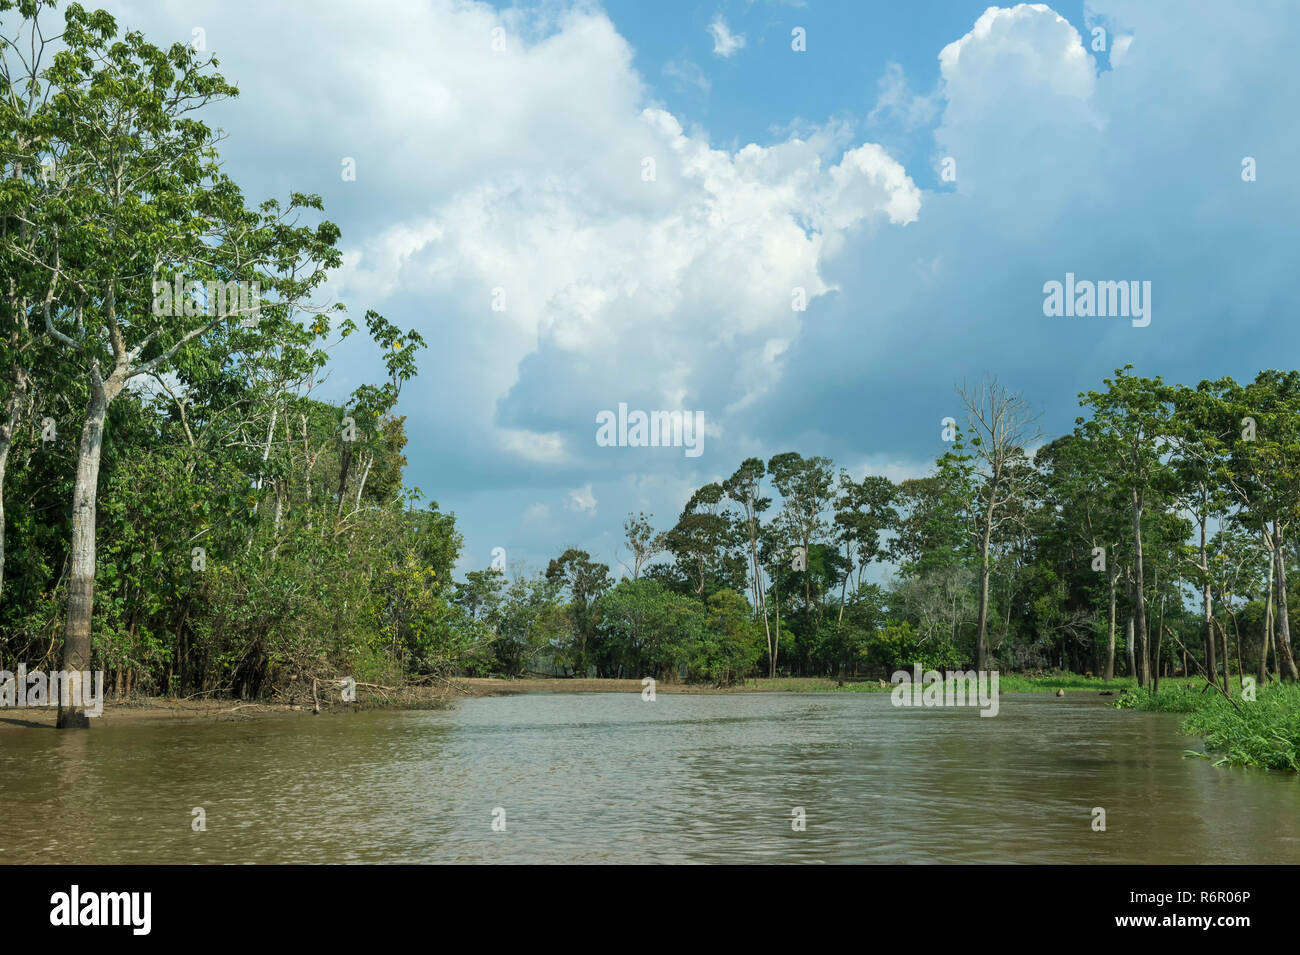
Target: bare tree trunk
{"points": [[844, 590], [345, 461], [1139, 599], [1224, 635], [266, 454], [776, 646], [1272, 645], [759, 591], [1266, 638], [279, 506], [1128, 645], [1207, 611], [807, 585], [1109, 673], [5, 444], [1002, 424], [1241, 667], [81, 582], [981, 635], [365, 474], [1286, 662], [1160, 630], [1207, 642]]}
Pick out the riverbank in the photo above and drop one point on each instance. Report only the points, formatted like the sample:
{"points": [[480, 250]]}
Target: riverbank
{"points": [[1007, 682], [147, 710], [1263, 732], [496, 686], [166, 710]]}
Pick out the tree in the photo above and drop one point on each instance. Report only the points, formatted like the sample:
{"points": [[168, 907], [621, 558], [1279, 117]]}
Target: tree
{"points": [[584, 580], [1238, 568], [1264, 475], [806, 486], [1000, 427], [1200, 434], [29, 191], [143, 208], [642, 540], [1128, 424], [1082, 507], [729, 644], [480, 593], [744, 488], [702, 541], [372, 404], [863, 512], [650, 628], [528, 620], [933, 524]]}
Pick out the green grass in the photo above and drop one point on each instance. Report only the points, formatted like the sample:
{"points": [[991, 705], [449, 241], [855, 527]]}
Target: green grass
{"points": [[816, 684], [1174, 697], [1007, 682], [1051, 682], [832, 686], [1264, 733]]}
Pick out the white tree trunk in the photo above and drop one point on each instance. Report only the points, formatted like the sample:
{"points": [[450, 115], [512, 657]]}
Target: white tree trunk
{"points": [[81, 582]]}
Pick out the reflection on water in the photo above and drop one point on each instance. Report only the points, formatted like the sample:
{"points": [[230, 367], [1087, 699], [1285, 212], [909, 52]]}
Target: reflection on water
{"points": [[611, 778]]}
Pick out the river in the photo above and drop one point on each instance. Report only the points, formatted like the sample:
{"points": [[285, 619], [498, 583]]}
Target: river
{"points": [[608, 777]]}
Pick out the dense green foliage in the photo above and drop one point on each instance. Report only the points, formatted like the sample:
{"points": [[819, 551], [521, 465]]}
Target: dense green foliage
{"points": [[243, 535], [1262, 732]]}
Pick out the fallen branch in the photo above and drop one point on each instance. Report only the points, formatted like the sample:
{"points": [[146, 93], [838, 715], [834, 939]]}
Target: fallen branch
{"points": [[1203, 674]]}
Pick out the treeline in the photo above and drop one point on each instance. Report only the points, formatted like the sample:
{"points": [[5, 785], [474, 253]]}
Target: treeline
{"points": [[1154, 539]]}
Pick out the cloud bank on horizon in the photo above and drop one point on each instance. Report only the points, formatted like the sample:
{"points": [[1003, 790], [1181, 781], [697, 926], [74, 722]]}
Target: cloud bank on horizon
{"points": [[578, 208]]}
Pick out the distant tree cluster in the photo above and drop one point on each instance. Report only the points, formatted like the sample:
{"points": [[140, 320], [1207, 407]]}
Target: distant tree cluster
{"points": [[1154, 539]]}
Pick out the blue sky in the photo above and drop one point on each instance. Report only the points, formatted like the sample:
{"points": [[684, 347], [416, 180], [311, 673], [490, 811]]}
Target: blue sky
{"points": [[521, 169]]}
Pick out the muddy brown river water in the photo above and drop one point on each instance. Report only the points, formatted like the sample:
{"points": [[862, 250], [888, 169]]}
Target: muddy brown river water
{"points": [[609, 777]]}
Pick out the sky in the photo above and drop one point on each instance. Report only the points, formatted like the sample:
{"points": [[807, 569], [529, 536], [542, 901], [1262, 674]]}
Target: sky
{"points": [[581, 204]]}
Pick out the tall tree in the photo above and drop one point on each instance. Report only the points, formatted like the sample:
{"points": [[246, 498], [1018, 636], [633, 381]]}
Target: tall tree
{"points": [[807, 487], [642, 540], [1000, 428], [1129, 423], [1200, 434], [148, 209], [703, 541], [31, 205], [584, 580], [1086, 510], [1265, 477], [864, 512], [932, 531], [744, 487]]}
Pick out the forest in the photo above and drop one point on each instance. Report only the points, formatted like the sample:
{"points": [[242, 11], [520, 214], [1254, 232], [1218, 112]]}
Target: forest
{"points": [[180, 508], [1151, 541]]}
